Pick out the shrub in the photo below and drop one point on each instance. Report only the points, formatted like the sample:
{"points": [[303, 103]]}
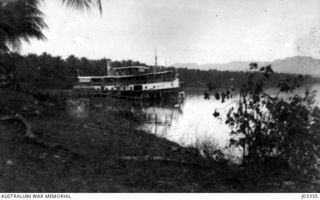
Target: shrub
{"points": [[274, 127]]}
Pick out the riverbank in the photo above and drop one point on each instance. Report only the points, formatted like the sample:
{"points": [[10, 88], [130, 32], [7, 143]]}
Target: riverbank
{"points": [[104, 152]]}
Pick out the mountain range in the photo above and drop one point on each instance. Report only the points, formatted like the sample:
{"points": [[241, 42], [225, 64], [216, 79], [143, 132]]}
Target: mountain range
{"points": [[292, 65]]}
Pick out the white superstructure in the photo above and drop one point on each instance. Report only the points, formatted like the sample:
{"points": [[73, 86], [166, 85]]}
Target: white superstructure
{"points": [[133, 78]]}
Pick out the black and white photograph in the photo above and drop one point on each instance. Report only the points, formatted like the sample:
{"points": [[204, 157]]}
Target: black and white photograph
{"points": [[159, 96]]}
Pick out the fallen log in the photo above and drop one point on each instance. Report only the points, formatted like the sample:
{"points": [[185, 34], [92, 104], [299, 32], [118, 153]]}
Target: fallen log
{"points": [[156, 158], [17, 117], [29, 134]]}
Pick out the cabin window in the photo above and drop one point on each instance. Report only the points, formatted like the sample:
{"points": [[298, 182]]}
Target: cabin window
{"points": [[146, 87], [137, 87]]}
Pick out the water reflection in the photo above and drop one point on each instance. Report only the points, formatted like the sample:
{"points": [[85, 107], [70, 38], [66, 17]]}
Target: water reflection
{"points": [[191, 123], [188, 122], [78, 108]]}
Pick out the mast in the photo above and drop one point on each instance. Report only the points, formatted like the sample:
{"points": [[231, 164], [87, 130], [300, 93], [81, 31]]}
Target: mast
{"points": [[155, 61]]}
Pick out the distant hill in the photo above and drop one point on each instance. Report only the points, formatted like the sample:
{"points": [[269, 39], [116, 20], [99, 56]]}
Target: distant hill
{"points": [[293, 65]]}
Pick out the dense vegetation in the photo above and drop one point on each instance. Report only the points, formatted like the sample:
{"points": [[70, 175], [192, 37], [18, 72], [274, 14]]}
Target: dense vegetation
{"points": [[53, 72], [278, 135]]}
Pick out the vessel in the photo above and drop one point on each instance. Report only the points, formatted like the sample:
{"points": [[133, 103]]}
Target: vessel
{"points": [[135, 81]]}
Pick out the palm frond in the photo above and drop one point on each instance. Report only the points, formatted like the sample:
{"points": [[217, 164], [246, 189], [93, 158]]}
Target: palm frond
{"points": [[83, 4], [20, 20], [6, 29]]}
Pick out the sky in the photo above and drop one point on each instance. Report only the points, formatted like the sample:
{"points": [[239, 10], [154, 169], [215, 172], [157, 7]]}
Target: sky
{"points": [[201, 31]]}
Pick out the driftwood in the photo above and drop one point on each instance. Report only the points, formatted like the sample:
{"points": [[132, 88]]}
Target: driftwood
{"points": [[29, 132]]}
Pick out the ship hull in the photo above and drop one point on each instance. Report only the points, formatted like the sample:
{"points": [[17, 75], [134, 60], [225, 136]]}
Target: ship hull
{"points": [[173, 93]]}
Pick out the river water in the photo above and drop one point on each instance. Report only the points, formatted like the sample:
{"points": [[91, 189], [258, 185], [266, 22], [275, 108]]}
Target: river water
{"points": [[191, 122]]}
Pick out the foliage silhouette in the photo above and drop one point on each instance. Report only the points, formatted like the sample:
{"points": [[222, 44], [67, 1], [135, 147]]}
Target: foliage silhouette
{"points": [[274, 131], [21, 20]]}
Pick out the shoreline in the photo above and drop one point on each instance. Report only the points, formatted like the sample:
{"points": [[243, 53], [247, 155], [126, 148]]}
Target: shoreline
{"points": [[105, 153]]}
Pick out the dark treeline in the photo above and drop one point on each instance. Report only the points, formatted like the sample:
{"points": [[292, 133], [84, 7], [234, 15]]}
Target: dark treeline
{"points": [[53, 72], [226, 79]]}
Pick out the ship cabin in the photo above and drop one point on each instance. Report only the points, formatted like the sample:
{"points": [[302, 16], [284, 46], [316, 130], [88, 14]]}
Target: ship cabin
{"points": [[133, 78]]}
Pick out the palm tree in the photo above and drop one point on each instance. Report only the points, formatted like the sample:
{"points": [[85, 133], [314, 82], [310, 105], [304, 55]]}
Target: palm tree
{"points": [[21, 20], [83, 4]]}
